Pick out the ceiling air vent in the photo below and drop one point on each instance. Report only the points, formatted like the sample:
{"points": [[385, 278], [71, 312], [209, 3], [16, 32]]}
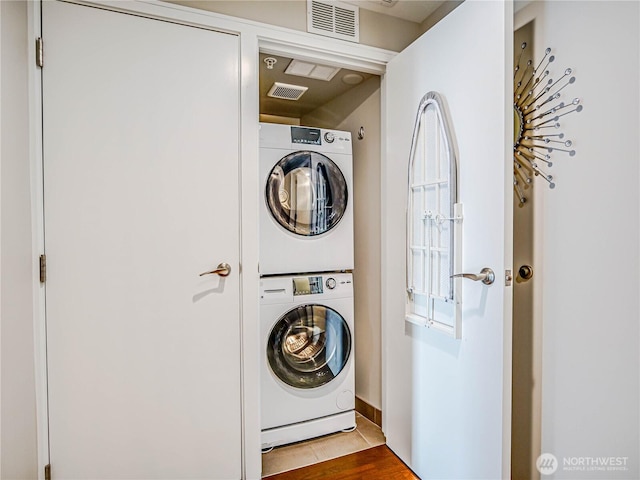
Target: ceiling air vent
{"points": [[333, 19], [286, 91]]}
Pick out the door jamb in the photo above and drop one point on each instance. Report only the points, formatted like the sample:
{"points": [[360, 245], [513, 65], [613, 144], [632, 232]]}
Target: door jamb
{"points": [[34, 30]]}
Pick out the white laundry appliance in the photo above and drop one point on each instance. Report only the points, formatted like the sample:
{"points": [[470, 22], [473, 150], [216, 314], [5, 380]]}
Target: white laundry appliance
{"points": [[307, 367], [306, 210]]}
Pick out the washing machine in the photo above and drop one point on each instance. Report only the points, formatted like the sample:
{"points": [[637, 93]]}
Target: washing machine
{"points": [[306, 210], [307, 367]]}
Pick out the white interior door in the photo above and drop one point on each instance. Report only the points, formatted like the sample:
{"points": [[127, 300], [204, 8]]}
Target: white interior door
{"points": [[140, 136], [446, 402]]}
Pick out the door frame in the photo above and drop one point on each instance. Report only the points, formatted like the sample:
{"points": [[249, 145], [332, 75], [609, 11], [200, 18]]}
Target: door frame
{"points": [[254, 38]]}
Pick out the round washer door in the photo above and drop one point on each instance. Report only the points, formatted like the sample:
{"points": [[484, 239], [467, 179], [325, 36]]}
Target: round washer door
{"points": [[306, 193], [309, 346]]}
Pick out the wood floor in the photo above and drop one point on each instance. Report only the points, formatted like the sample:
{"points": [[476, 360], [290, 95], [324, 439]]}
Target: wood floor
{"points": [[378, 463]]}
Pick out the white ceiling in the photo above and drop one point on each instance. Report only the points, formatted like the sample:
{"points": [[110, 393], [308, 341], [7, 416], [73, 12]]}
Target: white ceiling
{"points": [[412, 10]]}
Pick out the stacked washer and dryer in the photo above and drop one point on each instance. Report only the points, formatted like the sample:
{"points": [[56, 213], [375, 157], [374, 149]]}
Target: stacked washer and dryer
{"points": [[306, 288]]}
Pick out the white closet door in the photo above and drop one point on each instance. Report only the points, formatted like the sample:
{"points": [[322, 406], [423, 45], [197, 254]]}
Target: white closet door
{"points": [[141, 195], [447, 402]]}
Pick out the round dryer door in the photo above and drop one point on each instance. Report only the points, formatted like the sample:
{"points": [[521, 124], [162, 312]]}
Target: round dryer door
{"points": [[309, 346], [306, 193]]}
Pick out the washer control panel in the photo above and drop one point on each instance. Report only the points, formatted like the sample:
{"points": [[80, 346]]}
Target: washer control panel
{"points": [[320, 284], [282, 289]]}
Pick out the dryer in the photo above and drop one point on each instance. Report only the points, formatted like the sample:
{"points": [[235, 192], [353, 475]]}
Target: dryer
{"points": [[307, 367], [306, 210]]}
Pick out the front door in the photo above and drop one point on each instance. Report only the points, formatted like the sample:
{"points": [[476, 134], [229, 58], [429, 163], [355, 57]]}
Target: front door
{"points": [[446, 401], [140, 132]]}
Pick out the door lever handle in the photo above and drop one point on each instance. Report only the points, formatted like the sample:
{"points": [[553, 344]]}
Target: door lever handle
{"points": [[486, 276], [224, 269]]}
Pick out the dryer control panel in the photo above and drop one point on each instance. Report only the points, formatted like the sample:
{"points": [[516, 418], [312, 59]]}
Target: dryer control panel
{"points": [[293, 138], [308, 136]]}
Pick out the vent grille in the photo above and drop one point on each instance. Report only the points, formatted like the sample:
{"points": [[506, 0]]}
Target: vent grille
{"points": [[322, 16], [345, 22], [286, 91], [333, 19]]}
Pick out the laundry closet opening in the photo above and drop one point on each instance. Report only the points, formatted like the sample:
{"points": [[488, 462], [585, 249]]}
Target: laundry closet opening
{"points": [[300, 92]]}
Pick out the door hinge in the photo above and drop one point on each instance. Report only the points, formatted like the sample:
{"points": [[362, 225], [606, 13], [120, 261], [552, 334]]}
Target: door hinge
{"points": [[39, 53], [47, 472], [43, 268]]}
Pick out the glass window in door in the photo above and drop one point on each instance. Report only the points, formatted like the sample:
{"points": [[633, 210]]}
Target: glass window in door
{"points": [[309, 346], [306, 193]]}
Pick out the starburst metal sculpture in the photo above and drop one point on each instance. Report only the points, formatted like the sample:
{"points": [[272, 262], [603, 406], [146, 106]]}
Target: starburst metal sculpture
{"points": [[537, 111]]}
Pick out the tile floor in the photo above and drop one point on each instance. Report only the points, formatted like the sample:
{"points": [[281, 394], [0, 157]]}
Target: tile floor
{"points": [[288, 457]]}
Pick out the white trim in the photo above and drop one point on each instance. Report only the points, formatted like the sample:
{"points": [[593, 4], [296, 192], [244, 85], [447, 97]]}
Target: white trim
{"points": [[250, 287], [375, 63], [274, 40], [37, 244], [254, 37], [1, 99], [507, 309], [385, 308]]}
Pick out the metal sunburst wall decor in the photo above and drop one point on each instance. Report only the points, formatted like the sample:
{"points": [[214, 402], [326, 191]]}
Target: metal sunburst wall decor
{"points": [[537, 110]]}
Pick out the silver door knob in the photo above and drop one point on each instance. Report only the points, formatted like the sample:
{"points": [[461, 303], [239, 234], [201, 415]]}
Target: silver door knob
{"points": [[486, 276], [224, 269]]}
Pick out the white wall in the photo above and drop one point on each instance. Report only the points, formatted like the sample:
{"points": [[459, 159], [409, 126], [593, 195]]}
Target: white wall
{"points": [[398, 33], [588, 239], [350, 111], [18, 431]]}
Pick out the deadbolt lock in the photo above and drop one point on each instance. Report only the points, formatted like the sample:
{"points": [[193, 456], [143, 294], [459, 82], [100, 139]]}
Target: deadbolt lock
{"points": [[525, 272]]}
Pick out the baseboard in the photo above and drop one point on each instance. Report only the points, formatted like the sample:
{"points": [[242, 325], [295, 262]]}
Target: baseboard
{"points": [[369, 411]]}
